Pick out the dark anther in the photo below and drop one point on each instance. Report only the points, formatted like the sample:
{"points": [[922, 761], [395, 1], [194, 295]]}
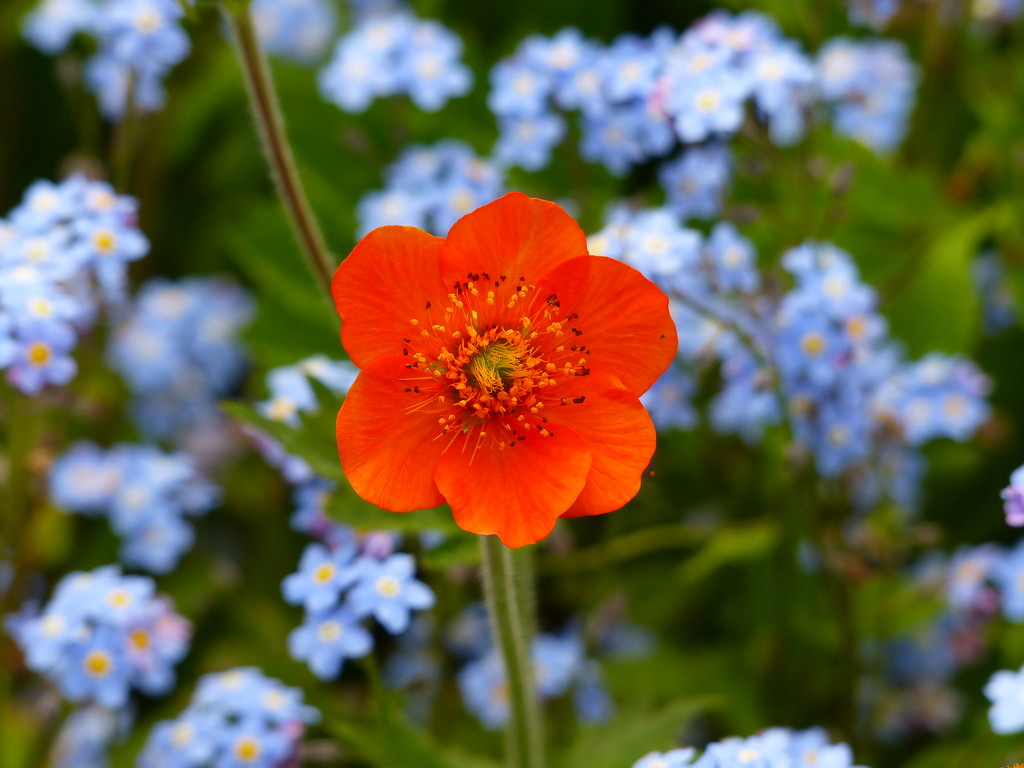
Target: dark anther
{"points": [[573, 316], [577, 331], [486, 276], [579, 399], [504, 278], [428, 305], [405, 350], [407, 341], [553, 298]]}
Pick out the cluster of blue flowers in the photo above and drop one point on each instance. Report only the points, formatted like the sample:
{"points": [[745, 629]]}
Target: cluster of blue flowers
{"points": [[295, 29], [877, 14], [236, 718], [559, 661], [974, 585], [870, 86], [1005, 690], [63, 253], [396, 54], [639, 97], [145, 494], [177, 347], [430, 187], [339, 587], [773, 748], [103, 634], [138, 42], [819, 356]]}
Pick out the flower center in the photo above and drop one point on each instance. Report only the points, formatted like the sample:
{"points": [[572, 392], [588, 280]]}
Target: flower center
{"points": [[97, 663], [324, 573], [39, 354], [247, 749], [489, 359], [388, 586], [328, 632], [140, 639], [493, 367]]}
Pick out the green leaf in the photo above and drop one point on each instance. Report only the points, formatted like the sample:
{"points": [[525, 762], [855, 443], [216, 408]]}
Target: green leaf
{"points": [[394, 740], [729, 545], [631, 736], [936, 307]]}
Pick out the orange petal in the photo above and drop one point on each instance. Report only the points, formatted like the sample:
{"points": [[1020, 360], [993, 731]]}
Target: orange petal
{"points": [[517, 493], [621, 439], [387, 454], [383, 284], [624, 318], [515, 236]]}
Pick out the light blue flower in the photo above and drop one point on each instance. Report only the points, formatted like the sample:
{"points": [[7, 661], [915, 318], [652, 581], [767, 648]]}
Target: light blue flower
{"points": [[324, 640], [696, 182], [321, 577], [1005, 689], [52, 24], [388, 591]]}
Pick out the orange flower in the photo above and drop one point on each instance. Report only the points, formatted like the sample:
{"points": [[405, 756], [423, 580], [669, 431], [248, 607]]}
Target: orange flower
{"points": [[501, 369]]}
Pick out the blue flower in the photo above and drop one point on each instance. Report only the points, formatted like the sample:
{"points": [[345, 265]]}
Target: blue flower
{"points": [[675, 758], [696, 182], [296, 29], [394, 54], [52, 24], [43, 357], [669, 400], [1005, 689], [1008, 575], [321, 577], [1013, 498], [103, 634], [324, 640], [527, 141], [389, 592]]}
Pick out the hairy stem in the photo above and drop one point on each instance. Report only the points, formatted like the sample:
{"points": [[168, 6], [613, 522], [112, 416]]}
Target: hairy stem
{"points": [[509, 603], [270, 123]]}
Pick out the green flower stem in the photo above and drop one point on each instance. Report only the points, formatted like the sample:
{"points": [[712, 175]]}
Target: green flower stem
{"points": [[270, 123], [507, 585]]}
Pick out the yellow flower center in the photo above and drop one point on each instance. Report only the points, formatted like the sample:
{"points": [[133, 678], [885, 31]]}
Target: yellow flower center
{"points": [[813, 344], [324, 573], [181, 735], [247, 749], [140, 639], [388, 586], [328, 632], [119, 599], [39, 354], [97, 663], [104, 241], [708, 100]]}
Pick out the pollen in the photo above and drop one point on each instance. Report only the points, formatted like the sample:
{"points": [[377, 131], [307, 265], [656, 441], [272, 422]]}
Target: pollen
{"points": [[97, 663], [104, 240], [328, 632], [247, 749], [139, 639], [324, 573], [39, 354], [388, 586], [813, 344]]}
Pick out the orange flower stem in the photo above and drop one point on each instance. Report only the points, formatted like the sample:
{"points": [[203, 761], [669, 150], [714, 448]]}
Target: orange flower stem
{"points": [[509, 604], [271, 128]]}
